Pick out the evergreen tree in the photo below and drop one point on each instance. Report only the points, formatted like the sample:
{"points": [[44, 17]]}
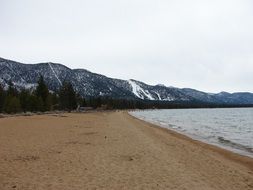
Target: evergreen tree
{"points": [[43, 93], [11, 101], [12, 91], [80, 100], [2, 97], [12, 105], [24, 100], [67, 97], [35, 103], [54, 101]]}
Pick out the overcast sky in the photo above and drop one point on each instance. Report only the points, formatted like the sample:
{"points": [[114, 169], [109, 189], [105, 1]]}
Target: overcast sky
{"points": [[202, 44]]}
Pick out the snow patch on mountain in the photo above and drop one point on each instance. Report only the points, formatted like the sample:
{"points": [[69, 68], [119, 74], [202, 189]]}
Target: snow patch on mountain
{"points": [[54, 73], [169, 99], [139, 92], [148, 95], [9, 66], [158, 95], [135, 89], [25, 85]]}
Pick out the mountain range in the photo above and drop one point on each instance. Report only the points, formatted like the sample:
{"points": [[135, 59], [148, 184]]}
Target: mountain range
{"points": [[89, 84]]}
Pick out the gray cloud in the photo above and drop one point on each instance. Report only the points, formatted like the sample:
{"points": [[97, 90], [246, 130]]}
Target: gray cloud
{"points": [[201, 44]]}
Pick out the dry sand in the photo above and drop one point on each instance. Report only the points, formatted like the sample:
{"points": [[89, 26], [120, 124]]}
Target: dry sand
{"points": [[111, 150]]}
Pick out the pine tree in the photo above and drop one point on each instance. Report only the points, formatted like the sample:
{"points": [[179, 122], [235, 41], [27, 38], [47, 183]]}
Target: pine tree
{"points": [[12, 91], [55, 101], [43, 93], [35, 103], [12, 105], [80, 100], [11, 101], [24, 100], [67, 97], [2, 97]]}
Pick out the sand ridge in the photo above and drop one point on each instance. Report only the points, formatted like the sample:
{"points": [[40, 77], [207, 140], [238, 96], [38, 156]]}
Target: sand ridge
{"points": [[111, 150]]}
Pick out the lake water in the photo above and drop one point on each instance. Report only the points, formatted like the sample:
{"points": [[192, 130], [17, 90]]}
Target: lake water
{"points": [[229, 128]]}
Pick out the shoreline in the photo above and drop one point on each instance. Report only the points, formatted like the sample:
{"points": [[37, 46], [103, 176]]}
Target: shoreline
{"points": [[111, 150], [240, 158]]}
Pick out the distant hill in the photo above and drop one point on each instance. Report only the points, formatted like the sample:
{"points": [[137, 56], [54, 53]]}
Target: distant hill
{"points": [[89, 84]]}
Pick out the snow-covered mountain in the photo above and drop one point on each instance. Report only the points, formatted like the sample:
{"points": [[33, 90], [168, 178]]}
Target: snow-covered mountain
{"points": [[157, 92], [89, 84]]}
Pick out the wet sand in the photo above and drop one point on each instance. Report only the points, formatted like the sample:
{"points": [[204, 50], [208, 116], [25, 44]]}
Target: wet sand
{"points": [[111, 150]]}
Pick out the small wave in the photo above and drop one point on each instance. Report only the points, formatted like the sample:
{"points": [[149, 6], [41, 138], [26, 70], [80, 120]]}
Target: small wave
{"points": [[234, 144], [162, 123], [172, 126]]}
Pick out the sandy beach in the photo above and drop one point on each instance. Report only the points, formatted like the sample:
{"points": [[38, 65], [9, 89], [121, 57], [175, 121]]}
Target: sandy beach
{"points": [[111, 150]]}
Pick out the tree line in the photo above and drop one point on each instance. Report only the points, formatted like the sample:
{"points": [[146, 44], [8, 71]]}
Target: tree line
{"points": [[66, 98], [38, 100], [41, 99]]}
